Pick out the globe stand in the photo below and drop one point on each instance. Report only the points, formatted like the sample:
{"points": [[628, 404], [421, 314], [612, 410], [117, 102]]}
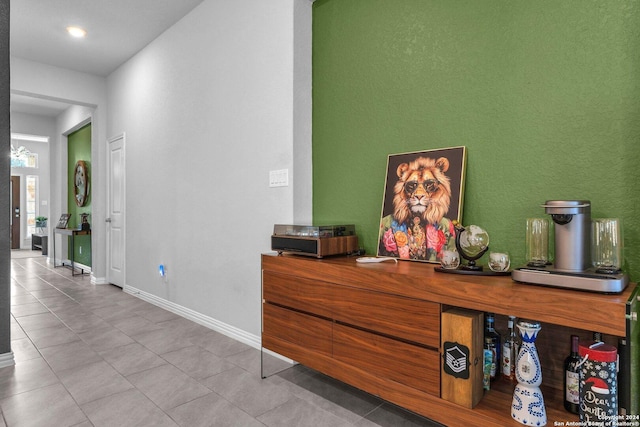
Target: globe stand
{"points": [[471, 260], [470, 267]]}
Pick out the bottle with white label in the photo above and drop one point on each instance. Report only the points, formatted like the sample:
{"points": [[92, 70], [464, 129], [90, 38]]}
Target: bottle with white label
{"points": [[572, 378], [509, 352]]}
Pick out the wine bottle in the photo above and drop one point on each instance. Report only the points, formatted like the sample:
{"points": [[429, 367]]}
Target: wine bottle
{"points": [[509, 352], [491, 333], [572, 378]]}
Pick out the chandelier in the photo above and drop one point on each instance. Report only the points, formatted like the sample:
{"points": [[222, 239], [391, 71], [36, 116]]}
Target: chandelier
{"points": [[19, 156], [20, 152]]}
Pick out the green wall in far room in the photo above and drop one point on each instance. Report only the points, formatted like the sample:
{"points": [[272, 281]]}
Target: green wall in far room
{"points": [[544, 94], [79, 148]]}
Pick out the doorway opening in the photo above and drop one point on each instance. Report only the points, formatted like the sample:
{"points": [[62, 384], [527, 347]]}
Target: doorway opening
{"points": [[29, 189]]}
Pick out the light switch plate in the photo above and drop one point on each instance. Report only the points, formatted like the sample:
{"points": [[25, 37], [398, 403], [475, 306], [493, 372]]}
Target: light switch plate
{"points": [[279, 178]]}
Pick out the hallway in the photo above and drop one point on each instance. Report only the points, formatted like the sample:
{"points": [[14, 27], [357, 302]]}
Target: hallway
{"points": [[90, 355]]}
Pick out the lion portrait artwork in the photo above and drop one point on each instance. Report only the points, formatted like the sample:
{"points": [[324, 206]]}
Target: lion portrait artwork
{"points": [[419, 225]]}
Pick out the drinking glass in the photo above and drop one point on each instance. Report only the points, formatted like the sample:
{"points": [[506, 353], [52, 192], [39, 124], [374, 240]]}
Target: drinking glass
{"points": [[450, 259], [499, 261], [606, 245], [537, 242]]}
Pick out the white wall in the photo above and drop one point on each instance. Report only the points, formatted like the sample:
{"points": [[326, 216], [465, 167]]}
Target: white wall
{"points": [[302, 109], [208, 111]]}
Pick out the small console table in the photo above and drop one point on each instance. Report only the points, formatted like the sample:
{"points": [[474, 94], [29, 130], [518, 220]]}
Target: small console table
{"points": [[40, 241], [69, 232]]}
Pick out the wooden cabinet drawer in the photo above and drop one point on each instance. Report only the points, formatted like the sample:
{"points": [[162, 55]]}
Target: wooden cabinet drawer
{"points": [[310, 296], [408, 364], [306, 331], [396, 316]]}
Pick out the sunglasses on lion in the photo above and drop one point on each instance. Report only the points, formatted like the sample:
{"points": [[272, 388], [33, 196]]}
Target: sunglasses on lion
{"points": [[429, 186]]}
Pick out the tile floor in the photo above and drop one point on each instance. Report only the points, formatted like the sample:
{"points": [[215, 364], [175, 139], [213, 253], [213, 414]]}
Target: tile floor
{"points": [[95, 356]]}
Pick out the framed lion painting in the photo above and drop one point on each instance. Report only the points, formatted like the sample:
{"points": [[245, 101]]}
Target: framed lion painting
{"points": [[423, 195]]}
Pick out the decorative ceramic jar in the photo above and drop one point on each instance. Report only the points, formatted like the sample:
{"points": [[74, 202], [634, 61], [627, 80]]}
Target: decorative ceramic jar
{"points": [[527, 406]]}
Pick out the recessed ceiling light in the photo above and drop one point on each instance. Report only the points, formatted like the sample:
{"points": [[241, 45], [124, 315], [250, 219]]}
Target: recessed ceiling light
{"points": [[77, 31]]}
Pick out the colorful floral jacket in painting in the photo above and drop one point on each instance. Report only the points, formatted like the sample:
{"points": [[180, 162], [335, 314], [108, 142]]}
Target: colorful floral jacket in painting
{"points": [[415, 239]]}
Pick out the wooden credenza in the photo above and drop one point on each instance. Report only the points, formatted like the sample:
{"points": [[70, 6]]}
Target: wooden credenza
{"points": [[377, 327]]}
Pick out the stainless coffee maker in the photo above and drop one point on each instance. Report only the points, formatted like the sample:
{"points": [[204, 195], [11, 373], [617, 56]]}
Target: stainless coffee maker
{"points": [[572, 264], [572, 224]]}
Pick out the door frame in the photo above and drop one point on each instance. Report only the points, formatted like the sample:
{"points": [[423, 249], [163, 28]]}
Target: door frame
{"points": [[16, 194], [108, 211]]}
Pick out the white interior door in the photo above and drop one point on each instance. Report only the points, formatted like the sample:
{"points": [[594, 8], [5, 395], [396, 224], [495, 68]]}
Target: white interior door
{"points": [[116, 210]]}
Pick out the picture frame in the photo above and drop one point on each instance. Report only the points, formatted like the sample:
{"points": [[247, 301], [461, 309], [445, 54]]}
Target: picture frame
{"points": [[424, 193], [63, 221]]}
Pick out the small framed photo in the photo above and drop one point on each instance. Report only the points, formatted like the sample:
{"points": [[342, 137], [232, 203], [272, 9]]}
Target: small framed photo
{"points": [[63, 221], [423, 196]]}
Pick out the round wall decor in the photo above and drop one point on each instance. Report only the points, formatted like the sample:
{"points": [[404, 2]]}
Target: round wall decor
{"points": [[81, 183]]}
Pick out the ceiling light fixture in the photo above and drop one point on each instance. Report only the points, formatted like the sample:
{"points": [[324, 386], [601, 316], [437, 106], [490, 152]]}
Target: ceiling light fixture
{"points": [[77, 31]]}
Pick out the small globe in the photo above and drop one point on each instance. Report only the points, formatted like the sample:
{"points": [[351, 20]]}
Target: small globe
{"points": [[474, 241]]}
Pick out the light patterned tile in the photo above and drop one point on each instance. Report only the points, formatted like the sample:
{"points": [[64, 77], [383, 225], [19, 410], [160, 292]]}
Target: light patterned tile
{"points": [[162, 340], [28, 309], [105, 337], [45, 406], [25, 376], [132, 358], [197, 362], [219, 344], [247, 391], [48, 337], [134, 324], [167, 386], [38, 321], [23, 349], [296, 412], [93, 381], [65, 356], [388, 415], [202, 411], [128, 408]]}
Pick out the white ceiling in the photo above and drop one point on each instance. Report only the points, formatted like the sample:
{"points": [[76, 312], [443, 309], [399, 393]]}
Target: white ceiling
{"points": [[116, 31]]}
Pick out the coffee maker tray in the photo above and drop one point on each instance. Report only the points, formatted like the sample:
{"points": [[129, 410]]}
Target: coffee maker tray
{"points": [[587, 280]]}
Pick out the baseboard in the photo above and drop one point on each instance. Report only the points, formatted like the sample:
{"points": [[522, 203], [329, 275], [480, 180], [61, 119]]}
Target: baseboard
{"points": [[98, 280], [211, 323], [6, 359]]}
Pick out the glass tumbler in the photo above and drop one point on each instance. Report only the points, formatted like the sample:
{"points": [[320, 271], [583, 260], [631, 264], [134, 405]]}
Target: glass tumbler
{"points": [[450, 259], [537, 242], [606, 245], [499, 261]]}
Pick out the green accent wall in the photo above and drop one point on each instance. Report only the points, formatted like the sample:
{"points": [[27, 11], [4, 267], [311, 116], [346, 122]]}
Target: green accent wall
{"points": [[79, 148], [544, 94]]}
